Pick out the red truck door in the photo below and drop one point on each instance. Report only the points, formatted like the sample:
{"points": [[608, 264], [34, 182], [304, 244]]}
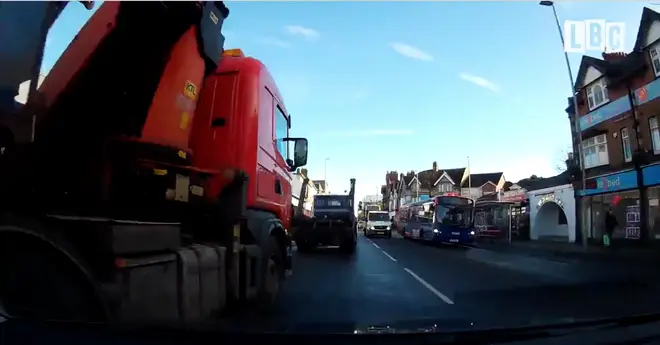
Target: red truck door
{"points": [[274, 181], [282, 175]]}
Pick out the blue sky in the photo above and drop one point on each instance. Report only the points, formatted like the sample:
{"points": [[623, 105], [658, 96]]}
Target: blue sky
{"points": [[379, 86]]}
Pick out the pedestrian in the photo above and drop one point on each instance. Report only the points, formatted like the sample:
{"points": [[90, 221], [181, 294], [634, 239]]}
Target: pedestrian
{"points": [[610, 224]]}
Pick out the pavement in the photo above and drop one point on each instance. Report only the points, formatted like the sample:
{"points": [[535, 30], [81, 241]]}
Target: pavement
{"points": [[390, 281], [572, 252]]}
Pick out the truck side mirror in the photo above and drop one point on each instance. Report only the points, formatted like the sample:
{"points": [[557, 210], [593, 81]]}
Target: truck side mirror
{"points": [[299, 152]]}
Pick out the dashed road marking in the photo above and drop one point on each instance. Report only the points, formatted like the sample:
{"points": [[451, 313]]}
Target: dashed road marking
{"points": [[375, 245], [388, 255], [430, 287]]}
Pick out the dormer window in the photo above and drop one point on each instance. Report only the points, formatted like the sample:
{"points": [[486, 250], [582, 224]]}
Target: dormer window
{"points": [[597, 94], [654, 52]]}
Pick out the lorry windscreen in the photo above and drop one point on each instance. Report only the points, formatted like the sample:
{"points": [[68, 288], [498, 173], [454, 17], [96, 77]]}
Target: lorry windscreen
{"points": [[378, 217]]}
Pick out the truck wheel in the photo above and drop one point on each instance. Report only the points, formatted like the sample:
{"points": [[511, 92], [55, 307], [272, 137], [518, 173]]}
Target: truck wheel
{"points": [[45, 285], [272, 274], [348, 246]]}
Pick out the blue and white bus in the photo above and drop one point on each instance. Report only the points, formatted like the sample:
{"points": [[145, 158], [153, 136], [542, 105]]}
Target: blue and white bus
{"points": [[442, 219]]}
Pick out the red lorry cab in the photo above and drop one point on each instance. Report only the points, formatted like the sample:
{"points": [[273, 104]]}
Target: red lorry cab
{"points": [[239, 123]]}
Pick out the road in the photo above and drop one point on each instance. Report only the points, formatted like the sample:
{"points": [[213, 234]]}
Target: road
{"points": [[394, 281]]}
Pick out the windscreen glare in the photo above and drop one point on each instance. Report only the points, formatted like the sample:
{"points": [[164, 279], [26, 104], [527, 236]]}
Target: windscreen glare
{"points": [[451, 215]]}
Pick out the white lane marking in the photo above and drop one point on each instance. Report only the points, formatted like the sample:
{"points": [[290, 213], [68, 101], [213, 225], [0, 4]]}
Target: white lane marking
{"points": [[388, 255], [430, 287], [375, 245]]}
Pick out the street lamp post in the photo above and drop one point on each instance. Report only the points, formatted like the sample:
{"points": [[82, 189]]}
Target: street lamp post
{"points": [[576, 119], [417, 186], [325, 171]]}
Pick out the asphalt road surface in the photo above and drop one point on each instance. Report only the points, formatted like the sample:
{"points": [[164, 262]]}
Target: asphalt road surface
{"points": [[397, 281]]}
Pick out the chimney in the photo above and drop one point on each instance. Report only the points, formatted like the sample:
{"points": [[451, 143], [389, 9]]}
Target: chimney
{"points": [[390, 177], [614, 56], [569, 160], [435, 166]]}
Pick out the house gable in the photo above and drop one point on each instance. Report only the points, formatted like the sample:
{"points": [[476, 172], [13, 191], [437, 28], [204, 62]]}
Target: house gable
{"points": [[590, 70], [649, 29], [653, 34], [515, 187], [488, 187], [488, 183], [444, 178], [590, 76]]}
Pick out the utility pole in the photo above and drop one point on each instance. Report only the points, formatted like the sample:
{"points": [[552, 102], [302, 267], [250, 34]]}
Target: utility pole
{"points": [[325, 170], [417, 189], [582, 204], [469, 179]]}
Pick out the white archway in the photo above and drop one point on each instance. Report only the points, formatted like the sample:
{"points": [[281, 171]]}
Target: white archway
{"points": [[551, 222]]}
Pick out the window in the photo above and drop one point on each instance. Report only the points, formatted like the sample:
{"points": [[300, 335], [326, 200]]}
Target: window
{"points": [[445, 187], [654, 51], [655, 134], [597, 93], [281, 132], [625, 142], [594, 150]]}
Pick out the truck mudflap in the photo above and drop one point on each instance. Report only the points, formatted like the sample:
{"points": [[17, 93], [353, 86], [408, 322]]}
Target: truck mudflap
{"points": [[323, 232]]}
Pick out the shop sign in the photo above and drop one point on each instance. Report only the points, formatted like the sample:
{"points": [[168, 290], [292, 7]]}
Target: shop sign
{"points": [[544, 198], [651, 175], [621, 105], [611, 183], [514, 195]]}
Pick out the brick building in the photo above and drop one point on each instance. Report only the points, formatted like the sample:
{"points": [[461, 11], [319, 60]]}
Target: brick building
{"points": [[619, 114]]}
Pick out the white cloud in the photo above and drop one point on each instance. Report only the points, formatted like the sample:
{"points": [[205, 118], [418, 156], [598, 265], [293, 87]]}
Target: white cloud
{"points": [[411, 52], [480, 81], [308, 33], [272, 42], [374, 132]]}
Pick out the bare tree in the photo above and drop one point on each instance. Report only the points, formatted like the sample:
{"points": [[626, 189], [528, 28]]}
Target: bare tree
{"points": [[560, 160]]}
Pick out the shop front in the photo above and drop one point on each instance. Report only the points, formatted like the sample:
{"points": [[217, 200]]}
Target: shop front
{"points": [[552, 214], [651, 176], [519, 212], [620, 193]]}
